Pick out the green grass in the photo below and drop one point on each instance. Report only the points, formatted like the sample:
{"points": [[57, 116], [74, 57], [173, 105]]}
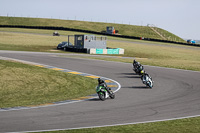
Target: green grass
{"points": [[180, 57], [39, 31], [66, 33], [175, 126], [165, 55], [24, 85], [124, 29], [27, 42], [17, 75]]}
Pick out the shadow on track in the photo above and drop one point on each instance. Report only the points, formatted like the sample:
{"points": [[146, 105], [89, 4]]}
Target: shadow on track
{"points": [[97, 99], [128, 75], [94, 99], [137, 87]]}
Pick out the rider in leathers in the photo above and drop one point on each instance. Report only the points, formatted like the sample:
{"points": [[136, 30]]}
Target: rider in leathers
{"points": [[103, 83], [144, 76], [137, 67]]}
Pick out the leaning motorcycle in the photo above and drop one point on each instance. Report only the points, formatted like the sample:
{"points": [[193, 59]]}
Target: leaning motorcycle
{"points": [[103, 93], [135, 65], [139, 70], [147, 80]]}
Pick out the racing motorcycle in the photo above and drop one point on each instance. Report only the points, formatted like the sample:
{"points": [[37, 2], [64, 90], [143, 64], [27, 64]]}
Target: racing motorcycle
{"points": [[147, 80], [138, 68], [104, 92]]}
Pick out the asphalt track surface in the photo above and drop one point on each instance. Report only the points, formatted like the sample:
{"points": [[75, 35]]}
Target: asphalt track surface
{"points": [[176, 93]]}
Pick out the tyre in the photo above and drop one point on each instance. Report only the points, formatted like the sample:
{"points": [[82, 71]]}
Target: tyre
{"points": [[112, 95], [149, 85], [101, 96]]}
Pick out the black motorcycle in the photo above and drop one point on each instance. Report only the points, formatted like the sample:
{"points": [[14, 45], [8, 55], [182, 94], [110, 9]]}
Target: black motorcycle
{"points": [[138, 68]]}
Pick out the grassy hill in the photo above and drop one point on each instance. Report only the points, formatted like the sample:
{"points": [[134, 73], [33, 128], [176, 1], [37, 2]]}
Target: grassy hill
{"points": [[124, 29]]}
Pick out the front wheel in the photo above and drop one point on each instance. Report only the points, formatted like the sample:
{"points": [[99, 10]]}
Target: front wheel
{"points": [[112, 95], [150, 85], [101, 96]]}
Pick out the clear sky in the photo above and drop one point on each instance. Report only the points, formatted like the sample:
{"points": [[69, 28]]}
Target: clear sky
{"points": [[181, 17]]}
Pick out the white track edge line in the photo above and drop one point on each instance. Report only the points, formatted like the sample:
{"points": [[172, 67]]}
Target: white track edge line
{"points": [[122, 124], [56, 104]]}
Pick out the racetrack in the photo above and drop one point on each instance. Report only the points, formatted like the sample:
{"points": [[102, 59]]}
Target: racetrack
{"points": [[176, 93]]}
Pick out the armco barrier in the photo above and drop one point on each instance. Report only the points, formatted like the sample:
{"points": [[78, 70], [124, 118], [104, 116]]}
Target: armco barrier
{"points": [[93, 32]]}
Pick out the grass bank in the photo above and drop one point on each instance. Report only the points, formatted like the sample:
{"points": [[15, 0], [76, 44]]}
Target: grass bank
{"points": [[39, 31], [24, 85], [124, 29], [28, 42]]}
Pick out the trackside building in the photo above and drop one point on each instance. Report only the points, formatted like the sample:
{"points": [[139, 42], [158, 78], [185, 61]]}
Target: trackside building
{"points": [[91, 44]]}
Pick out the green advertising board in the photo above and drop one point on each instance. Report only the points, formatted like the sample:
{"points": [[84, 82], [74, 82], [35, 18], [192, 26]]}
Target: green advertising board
{"points": [[112, 51], [99, 51], [109, 51]]}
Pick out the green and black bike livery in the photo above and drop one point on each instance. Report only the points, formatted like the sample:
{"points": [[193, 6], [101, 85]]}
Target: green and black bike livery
{"points": [[104, 92]]}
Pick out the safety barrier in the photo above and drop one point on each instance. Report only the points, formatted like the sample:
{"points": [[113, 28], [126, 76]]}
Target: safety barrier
{"points": [[94, 32]]}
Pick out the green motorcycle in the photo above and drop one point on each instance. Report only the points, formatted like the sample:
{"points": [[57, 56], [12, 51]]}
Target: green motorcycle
{"points": [[104, 93]]}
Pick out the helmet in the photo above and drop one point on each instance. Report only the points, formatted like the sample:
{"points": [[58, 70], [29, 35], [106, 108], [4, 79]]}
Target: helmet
{"points": [[137, 63], [140, 67], [100, 81]]}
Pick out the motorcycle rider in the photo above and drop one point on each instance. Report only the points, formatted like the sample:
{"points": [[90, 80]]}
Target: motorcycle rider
{"points": [[135, 64], [137, 67], [144, 77], [101, 82]]}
